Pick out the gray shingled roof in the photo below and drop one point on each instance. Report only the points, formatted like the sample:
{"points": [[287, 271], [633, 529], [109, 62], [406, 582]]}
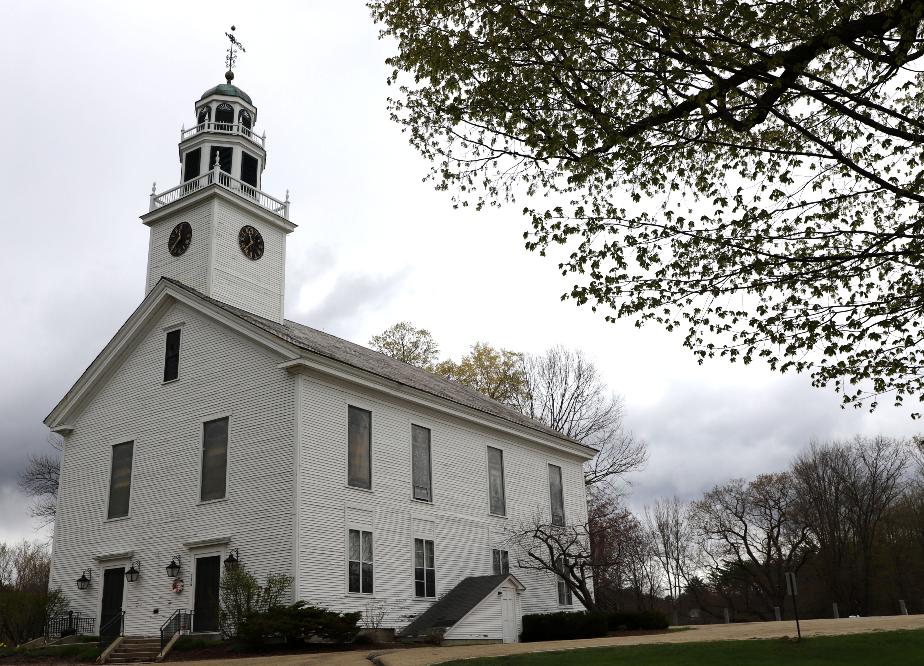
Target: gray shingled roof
{"points": [[455, 605], [357, 356]]}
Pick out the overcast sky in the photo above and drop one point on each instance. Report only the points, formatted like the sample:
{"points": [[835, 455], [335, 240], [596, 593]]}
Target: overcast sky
{"points": [[92, 97]]}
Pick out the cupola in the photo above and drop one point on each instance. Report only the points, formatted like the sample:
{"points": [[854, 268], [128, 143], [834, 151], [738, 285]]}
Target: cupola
{"points": [[224, 133]]}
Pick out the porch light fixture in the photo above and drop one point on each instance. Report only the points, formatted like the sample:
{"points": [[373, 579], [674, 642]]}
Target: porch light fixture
{"points": [[132, 574], [84, 581], [232, 560], [173, 569]]}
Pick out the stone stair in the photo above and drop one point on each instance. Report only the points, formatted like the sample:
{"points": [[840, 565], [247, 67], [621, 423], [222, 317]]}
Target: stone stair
{"points": [[135, 648]]}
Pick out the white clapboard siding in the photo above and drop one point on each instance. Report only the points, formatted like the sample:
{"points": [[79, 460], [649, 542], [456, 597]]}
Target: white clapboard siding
{"points": [[458, 520], [191, 267], [221, 373]]}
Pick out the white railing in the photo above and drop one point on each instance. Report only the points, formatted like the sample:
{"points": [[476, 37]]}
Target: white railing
{"points": [[224, 128], [226, 181]]}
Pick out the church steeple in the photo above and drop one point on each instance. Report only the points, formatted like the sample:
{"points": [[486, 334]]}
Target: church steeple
{"points": [[217, 231]]}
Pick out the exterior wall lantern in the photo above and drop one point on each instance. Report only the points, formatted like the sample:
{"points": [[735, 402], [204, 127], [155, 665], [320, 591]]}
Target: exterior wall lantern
{"points": [[173, 569], [132, 574], [84, 581], [232, 561]]}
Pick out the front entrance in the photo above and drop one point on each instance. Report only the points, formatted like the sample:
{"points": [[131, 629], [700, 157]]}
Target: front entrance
{"points": [[208, 576], [113, 586], [509, 614]]}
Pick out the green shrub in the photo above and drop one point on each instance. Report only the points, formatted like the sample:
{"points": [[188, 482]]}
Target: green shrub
{"points": [[644, 620], [299, 622], [241, 596], [563, 626]]}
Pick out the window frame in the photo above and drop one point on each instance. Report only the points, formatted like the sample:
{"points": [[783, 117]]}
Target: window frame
{"points": [[424, 541], [202, 422], [361, 530], [167, 332], [502, 561], [351, 406], [561, 480], [429, 463], [503, 480], [131, 479], [562, 589]]}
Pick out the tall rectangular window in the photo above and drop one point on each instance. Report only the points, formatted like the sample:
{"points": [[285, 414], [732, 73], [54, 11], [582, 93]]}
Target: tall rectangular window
{"points": [[557, 495], [214, 459], [496, 481], [359, 566], [500, 562], [359, 448], [191, 164], [120, 480], [172, 356], [564, 592], [424, 569], [420, 463]]}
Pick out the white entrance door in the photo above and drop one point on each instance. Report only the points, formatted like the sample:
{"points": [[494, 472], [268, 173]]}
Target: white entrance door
{"points": [[509, 607]]}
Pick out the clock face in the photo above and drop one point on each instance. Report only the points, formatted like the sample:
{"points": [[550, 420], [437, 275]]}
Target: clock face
{"points": [[251, 242], [179, 239]]}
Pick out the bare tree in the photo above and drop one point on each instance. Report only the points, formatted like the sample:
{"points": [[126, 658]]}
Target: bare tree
{"points": [[669, 523], [755, 532], [40, 481], [566, 391], [563, 552]]}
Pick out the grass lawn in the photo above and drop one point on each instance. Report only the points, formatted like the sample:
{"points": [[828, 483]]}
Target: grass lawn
{"points": [[68, 654], [892, 648]]}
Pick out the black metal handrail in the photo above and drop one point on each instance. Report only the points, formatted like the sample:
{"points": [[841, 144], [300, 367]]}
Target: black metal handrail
{"points": [[111, 630], [180, 621], [69, 624]]}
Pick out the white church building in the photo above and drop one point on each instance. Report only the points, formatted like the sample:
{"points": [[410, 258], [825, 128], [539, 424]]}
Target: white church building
{"points": [[211, 431]]}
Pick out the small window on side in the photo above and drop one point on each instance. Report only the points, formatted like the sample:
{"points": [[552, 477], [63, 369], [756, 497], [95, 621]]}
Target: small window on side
{"points": [[500, 562], [424, 569], [359, 562], [420, 463], [359, 448], [214, 459], [556, 495], [172, 356], [496, 481], [120, 480]]}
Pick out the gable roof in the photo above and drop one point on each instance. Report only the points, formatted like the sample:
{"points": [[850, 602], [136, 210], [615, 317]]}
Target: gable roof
{"points": [[457, 603], [343, 351]]}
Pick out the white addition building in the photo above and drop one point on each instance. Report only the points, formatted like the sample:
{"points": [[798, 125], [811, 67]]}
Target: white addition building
{"points": [[211, 430]]}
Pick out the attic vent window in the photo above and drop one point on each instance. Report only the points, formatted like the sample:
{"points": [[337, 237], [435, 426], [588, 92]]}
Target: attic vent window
{"points": [[172, 356]]}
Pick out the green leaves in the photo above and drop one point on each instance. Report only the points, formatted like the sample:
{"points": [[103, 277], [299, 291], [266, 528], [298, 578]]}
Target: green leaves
{"points": [[750, 172]]}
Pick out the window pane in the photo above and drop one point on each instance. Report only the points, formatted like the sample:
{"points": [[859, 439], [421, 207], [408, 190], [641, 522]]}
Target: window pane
{"points": [[172, 356], [495, 561], [431, 582], [367, 578], [367, 547], [429, 551], [505, 563], [120, 479], [214, 459], [557, 496], [418, 553], [354, 545], [420, 462], [419, 585], [354, 576], [360, 444], [496, 481]]}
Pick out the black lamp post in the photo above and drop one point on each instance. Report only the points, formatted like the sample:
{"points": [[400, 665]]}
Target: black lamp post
{"points": [[173, 569], [132, 574], [232, 560], [84, 581]]}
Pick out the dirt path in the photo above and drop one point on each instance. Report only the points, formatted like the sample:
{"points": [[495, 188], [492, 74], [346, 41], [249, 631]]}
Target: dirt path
{"points": [[717, 632]]}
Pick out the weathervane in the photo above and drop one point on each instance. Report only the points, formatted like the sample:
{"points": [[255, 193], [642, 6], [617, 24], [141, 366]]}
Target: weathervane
{"points": [[232, 50]]}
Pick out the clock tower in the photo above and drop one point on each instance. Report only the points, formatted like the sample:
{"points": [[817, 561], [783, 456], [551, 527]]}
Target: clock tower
{"points": [[217, 231]]}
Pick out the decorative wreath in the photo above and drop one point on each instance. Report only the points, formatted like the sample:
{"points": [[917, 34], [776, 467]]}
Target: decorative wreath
{"points": [[177, 585]]}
